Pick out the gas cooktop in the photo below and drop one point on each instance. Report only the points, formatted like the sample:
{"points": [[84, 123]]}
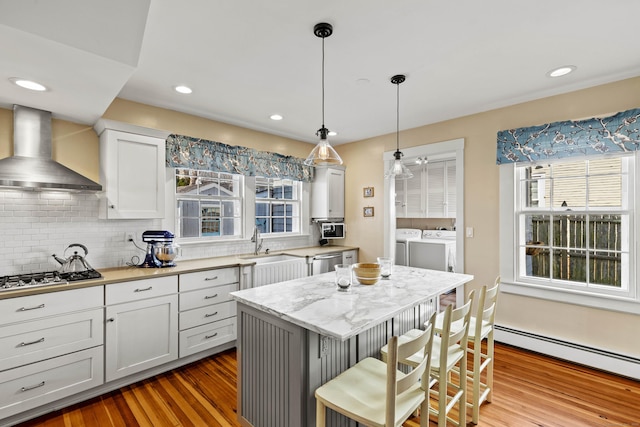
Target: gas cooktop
{"points": [[30, 280]]}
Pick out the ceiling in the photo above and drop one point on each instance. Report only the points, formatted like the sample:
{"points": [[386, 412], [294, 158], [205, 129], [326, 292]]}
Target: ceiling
{"points": [[248, 59]]}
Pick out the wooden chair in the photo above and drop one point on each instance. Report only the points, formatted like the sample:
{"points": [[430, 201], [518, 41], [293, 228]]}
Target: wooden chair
{"points": [[376, 393], [449, 350], [478, 331]]}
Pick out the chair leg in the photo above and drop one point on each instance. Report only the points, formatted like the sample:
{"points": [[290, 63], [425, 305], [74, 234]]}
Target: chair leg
{"points": [[490, 354], [462, 402], [442, 401], [475, 396], [320, 414], [424, 412]]}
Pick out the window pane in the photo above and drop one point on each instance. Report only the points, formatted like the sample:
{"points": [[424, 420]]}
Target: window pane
{"points": [[536, 228], [262, 189], [277, 209], [569, 192], [570, 265], [605, 268], [189, 227], [263, 225], [535, 187], [569, 231], [262, 209], [605, 183], [186, 183], [211, 226], [208, 186], [536, 261], [605, 232], [189, 208], [231, 227]]}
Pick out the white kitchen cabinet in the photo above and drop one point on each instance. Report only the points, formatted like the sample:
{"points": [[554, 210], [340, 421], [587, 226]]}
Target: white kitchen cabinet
{"points": [[52, 347], [132, 171], [327, 192], [350, 257], [43, 382], [207, 311], [430, 193], [143, 332]]}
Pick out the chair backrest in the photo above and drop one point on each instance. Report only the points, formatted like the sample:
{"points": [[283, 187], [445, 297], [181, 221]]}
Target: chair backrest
{"points": [[487, 307], [395, 386], [459, 334]]}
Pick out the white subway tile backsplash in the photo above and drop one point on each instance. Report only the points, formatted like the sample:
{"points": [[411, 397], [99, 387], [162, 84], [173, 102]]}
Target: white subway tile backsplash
{"points": [[36, 224]]}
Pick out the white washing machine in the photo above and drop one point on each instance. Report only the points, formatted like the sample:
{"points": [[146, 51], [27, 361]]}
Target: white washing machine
{"points": [[403, 236], [436, 250]]}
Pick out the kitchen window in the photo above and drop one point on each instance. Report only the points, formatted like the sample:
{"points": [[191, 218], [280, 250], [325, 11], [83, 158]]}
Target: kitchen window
{"points": [[208, 204], [568, 230], [277, 205]]}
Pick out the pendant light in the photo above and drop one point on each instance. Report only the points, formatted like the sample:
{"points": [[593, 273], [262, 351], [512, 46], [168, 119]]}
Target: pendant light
{"points": [[397, 169], [323, 153]]}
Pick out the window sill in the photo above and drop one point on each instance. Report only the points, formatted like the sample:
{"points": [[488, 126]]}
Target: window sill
{"points": [[237, 240], [567, 296]]}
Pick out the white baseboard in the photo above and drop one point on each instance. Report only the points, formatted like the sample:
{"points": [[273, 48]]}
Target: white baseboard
{"points": [[619, 364]]}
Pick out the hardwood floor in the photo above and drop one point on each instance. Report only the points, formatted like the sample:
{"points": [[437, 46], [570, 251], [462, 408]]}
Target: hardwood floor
{"points": [[530, 390]]}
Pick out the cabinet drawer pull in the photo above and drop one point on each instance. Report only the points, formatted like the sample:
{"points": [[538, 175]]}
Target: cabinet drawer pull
{"points": [[212, 314], [32, 387], [211, 278], [142, 290], [31, 308], [210, 336], [111, 319], [22, 344], [210, 296]]}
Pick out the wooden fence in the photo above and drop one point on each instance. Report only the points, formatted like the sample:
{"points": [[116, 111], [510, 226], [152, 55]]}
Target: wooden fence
{"points": [[569, 246]]}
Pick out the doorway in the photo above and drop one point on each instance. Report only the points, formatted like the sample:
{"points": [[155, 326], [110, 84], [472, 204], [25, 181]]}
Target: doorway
{"points": [[452, 148]]}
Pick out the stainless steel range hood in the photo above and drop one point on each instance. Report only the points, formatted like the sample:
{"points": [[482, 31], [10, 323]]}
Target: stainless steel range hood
{"points": [[31, 165]]}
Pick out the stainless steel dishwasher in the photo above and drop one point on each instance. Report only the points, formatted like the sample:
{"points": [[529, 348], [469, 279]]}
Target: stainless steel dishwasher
{"points": [[325, 263]]}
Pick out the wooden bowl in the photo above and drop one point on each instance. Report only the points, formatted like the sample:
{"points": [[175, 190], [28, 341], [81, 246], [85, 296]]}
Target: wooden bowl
{"points": [[367, 273]]}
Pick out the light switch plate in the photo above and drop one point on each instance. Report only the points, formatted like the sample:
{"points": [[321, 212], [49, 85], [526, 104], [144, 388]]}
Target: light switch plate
{"points": [[469, 232]]}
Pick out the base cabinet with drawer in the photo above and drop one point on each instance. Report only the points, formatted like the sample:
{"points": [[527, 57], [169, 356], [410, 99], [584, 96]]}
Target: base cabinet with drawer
{"points": [[52, 347], [207, 311], [141, 327]]}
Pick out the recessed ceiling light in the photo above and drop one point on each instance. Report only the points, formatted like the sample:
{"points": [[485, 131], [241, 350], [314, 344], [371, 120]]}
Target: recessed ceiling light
{"points": [[562, 71], [183, 89], [276, 117], [28, 84]]}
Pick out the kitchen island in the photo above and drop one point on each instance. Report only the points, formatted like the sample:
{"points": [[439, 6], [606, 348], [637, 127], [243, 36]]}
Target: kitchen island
{"points": [[294, 336]]}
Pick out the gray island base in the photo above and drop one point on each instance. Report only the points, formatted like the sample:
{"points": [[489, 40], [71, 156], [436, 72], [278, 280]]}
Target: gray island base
{"points": [[294, 336]]}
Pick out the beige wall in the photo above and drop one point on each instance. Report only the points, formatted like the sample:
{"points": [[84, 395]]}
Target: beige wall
{"points": [[593, 327]]}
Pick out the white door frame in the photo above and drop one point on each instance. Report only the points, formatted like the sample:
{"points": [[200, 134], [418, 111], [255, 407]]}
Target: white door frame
{"points": [[430, 150]]}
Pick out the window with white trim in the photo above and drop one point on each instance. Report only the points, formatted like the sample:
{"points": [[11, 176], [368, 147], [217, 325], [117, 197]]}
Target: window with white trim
{"points": [[278, 205], [209, 204], [573, 225]]}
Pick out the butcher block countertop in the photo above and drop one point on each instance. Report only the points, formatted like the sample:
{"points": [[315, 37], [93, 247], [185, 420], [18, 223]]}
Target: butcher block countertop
{"points": [[125, 274]]}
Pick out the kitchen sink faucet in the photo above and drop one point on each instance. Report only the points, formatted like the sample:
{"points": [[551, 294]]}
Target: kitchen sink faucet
{"points": [[257, 240]]}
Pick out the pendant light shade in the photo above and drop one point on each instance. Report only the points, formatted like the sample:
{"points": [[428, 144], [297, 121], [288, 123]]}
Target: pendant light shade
{"points": [[398, 170], [323, 152]]}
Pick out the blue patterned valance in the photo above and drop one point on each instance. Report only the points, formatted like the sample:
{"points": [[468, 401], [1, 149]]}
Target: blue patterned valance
{"points": [[201, 154], [617, 133]]}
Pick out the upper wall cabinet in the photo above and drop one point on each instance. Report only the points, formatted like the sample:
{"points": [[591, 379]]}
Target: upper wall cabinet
{"points": [[327, 192], [431, 193], [132, 170]]}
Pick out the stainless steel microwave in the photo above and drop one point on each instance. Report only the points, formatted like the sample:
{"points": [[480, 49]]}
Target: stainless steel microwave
{"points": [[332, 230]]}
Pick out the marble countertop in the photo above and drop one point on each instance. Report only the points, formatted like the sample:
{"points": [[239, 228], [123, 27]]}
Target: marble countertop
{"points": [[125, 274], [315, 304]]}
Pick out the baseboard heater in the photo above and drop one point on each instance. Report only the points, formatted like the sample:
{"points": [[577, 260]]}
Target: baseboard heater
{"points": [[600, 359]]}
